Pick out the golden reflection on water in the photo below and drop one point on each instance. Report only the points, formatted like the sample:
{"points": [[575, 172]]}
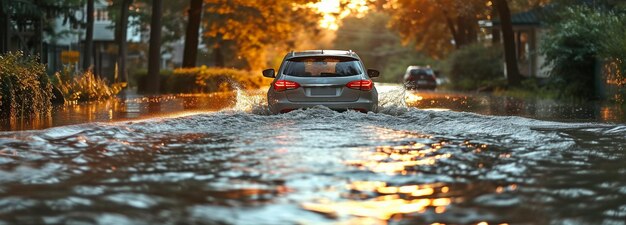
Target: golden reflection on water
{"points": [[378, 202], [120, 109], [612, 113], [395, 159], [435, 101], [382, 208]]}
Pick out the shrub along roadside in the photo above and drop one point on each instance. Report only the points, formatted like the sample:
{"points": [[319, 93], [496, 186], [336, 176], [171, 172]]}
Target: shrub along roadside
{"points": [[77, 87], [25, 89], [476, 67], [582, 38], [204, 80]]}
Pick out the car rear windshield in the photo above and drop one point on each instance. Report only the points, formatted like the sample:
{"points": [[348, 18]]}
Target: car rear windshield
{"points": [[417, 72], [322, 66]]}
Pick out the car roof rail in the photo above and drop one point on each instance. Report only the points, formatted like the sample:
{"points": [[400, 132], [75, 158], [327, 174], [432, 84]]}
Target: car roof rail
{"points": [[293, 53]]}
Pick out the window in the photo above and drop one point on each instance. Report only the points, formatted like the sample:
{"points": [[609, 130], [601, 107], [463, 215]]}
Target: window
{"points": [[418, 72], [322, 66], [101, 15]]}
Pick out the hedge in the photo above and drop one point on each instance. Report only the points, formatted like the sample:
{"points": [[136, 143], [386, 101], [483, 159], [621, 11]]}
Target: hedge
{"points": [[203, 80]]}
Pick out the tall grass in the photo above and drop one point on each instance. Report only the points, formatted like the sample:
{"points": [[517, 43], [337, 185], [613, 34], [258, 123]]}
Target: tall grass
{"points": [[84, 86], [25, 89]]}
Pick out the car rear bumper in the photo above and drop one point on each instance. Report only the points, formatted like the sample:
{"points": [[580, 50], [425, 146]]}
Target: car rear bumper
{"points": [[283, 106]]}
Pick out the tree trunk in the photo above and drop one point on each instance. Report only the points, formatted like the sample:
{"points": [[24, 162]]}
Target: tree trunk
{"points": [[88, 51], [495, 31], [4, 29], [154, 54], [218, 56], [121, 41], [453, 30], [465, 33], [97, 61], [38, 39], [472, 30], [193, 30], [466, 30], [512, 70]]}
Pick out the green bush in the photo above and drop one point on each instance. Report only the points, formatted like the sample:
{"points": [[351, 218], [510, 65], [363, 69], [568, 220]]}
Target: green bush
{"points": [[77, 87], [577, 42], [25, 89], [204, 80], [141, 77], [476, 66]]}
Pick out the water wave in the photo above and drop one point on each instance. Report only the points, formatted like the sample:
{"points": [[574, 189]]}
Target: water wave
{"points": [[317, 165]]}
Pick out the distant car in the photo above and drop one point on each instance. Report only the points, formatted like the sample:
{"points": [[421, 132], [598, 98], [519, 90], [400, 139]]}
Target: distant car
{"points": [[418, 77], [332, 78]]}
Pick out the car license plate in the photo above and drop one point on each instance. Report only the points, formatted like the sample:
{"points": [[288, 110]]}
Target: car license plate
{"points": [[323, 91], [422, 82]]}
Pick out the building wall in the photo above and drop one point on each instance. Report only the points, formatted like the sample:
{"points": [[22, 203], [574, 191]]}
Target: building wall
{"points": [[69, 38], [542, 69]]}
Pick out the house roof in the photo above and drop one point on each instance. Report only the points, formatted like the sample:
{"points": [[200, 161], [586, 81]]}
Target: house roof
{"points": [[533, 17]]}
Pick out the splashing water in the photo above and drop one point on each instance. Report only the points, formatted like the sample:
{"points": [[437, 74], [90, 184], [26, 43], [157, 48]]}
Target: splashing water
{"points": [[251, 102], [391, 101]]}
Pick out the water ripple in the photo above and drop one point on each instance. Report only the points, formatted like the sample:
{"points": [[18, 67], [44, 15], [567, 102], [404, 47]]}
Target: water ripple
{"points": [[316, 166]]}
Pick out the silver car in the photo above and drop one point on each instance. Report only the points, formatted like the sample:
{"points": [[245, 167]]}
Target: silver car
{"points": [[332, 78]]}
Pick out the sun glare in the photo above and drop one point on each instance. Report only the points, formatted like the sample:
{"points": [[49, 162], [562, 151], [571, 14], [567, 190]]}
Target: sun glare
{"points": [[332, 11]]}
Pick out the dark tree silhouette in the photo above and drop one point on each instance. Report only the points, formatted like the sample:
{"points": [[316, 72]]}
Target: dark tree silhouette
{"points": [[192, 34], [88, 48], [121, 40], [154, 54], [512, 70], [4, 27]]}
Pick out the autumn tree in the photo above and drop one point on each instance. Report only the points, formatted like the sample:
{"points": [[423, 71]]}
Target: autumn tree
{"points": [[378, 47], [257, 26], [437, 26]]}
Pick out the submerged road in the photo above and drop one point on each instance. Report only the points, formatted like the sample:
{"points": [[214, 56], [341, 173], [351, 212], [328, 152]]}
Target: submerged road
{"points": [[240, 165]]}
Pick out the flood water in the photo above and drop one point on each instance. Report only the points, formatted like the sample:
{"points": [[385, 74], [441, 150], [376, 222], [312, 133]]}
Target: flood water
{"points": [[425, 158]]}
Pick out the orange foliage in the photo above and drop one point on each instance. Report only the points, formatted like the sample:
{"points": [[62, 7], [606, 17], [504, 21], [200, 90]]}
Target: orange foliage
{"points": [[258, 27]]}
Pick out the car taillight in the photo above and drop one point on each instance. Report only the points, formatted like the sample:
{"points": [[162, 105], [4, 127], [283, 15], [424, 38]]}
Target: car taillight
{"points": [[363, 85], [282, 85]]}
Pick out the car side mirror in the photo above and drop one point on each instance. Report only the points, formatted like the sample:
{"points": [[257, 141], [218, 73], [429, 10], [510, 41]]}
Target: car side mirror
{"points": [[269, 73], [373, 73]]}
